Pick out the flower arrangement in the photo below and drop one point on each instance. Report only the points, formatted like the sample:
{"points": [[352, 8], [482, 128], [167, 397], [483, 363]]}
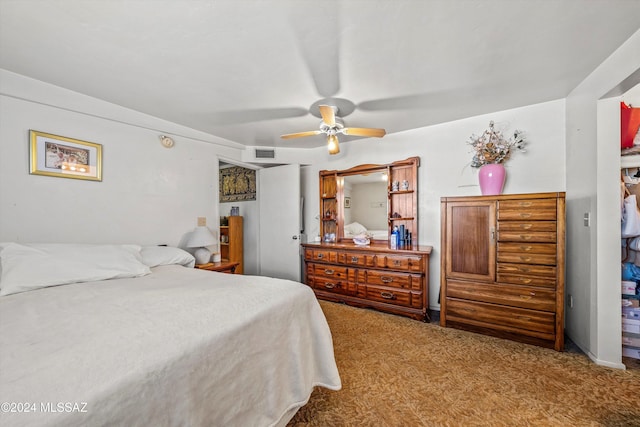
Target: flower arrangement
{"points": [[493, 147]]}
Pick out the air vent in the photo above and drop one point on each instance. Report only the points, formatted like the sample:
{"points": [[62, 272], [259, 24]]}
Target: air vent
{"points": [[265, 154]]}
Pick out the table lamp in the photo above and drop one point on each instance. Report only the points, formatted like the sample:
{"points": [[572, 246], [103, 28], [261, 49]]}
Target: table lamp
{"points": [[200, 238]]}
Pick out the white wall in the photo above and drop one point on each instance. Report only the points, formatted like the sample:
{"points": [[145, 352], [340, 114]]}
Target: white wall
{"points": [[369, 205], [148, 195], [444, 171], [593, 253]]}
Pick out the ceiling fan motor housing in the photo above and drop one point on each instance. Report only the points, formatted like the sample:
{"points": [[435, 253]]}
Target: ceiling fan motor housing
{"points": [[328, 129]]}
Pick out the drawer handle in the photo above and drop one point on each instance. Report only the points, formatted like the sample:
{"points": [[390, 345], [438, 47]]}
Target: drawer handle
{"points": [[328, 271], [525, 237], [354, 259], [525, 215], [387, 295], [526, 281], [526, 226], [525, 258], [525, 248], [329, 285], [320, 256], [525, 297], [524, 317], [396, 262], [525, 204], [525, 270], [386, 279]]}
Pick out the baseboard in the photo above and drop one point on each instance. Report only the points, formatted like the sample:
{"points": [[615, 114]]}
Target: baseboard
{"points": [[605, 363]]}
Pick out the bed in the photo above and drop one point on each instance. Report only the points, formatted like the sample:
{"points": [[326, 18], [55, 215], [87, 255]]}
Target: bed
{"points": [[356, 229], [162, 344]]}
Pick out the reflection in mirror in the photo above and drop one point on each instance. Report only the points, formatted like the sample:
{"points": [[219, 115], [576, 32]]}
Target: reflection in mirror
{"points": [[365, 205]]}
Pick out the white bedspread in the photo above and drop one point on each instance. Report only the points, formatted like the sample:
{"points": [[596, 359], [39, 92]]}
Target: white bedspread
{"points": [[179, 347]]}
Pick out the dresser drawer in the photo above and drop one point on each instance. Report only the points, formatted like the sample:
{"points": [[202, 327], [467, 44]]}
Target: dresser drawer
{"points": [[547, 282], [390, 279], [530, 226], [398, 262], [540, 324], [515, 296], [401, 297], [528, 248], [334, 285], [323, 255], [527, 236], [353, 258], [526, 258], [540, 209], [327, 271], [527, 269]]}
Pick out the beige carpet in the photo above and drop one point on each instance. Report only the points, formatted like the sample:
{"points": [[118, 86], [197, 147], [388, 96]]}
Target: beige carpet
{"points": [[401, 372]]}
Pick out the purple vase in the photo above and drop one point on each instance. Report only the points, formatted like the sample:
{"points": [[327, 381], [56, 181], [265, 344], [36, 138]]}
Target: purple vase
{"points": [[491, 178]]}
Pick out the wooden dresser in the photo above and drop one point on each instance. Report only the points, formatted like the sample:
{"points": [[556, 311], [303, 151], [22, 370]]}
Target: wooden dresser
{"points": [[502, 266], [394, 281]]}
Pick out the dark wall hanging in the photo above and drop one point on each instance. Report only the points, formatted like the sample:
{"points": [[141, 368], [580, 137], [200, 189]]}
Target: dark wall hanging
{"points": [[237, 184]]}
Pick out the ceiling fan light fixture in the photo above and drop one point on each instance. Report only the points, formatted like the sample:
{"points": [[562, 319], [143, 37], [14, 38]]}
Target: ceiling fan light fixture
{"points": [[333, 146]]}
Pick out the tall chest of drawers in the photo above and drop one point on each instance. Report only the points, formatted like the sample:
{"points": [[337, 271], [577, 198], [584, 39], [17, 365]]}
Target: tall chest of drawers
{"points": [[502, 266], [394, 281]]}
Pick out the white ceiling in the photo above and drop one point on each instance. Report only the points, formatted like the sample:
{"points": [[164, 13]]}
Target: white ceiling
{"points": [[249, 70]]}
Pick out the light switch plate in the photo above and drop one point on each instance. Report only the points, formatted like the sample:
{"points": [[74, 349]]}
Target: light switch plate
{"points": [[202, 221]]}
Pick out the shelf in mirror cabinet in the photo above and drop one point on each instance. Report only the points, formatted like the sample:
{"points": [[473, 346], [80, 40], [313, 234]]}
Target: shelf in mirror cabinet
{"points": [[402, 219], [401, 192]]}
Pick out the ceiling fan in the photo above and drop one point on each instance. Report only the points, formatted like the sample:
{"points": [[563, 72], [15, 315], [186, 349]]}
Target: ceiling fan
{"points": [[331, 126]]}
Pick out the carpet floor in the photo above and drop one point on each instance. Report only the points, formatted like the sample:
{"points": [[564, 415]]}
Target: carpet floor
{"points": [[401, 372]]}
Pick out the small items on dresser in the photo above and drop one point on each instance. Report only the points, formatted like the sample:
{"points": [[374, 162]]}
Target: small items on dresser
{"points": [[400, 238]]}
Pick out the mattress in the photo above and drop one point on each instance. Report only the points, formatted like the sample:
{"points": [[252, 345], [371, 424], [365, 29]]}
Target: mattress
{"points": [[176, 347]]}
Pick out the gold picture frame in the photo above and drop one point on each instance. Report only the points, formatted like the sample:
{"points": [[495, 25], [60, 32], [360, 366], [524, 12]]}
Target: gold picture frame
{"points": [[62, 157]]}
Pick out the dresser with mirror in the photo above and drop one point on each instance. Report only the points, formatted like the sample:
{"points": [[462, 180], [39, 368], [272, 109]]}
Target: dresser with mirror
{"points": [[365, 204]]}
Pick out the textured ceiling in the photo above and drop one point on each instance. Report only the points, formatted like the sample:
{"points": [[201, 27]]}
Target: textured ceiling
{"points": [[249, 71]]}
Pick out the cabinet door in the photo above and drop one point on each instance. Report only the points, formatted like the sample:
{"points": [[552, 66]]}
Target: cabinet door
{"points": [[328, 206], [470, 240]]}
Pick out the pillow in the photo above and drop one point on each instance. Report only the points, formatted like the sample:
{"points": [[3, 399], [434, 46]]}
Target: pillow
{"points": [[355, 228], [35, 266], [153, 256]]}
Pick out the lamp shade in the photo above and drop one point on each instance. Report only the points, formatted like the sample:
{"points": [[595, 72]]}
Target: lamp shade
{"points": [[201, 236]]}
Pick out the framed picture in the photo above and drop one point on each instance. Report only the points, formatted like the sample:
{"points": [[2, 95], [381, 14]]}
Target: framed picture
{"points": [[63, 157], [347, 202], [237, 184]]}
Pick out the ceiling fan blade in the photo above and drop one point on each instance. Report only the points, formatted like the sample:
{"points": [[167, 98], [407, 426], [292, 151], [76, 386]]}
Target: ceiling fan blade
{"points": [[318, 39], [364, 132], [328, 115], [300, 134]]}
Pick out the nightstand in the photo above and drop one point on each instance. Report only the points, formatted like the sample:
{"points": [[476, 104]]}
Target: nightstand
{"points": [[223, 267]]}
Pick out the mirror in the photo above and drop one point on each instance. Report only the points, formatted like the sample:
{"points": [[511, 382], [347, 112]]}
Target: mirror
{"points": [[370, 199], [365, 205]]}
